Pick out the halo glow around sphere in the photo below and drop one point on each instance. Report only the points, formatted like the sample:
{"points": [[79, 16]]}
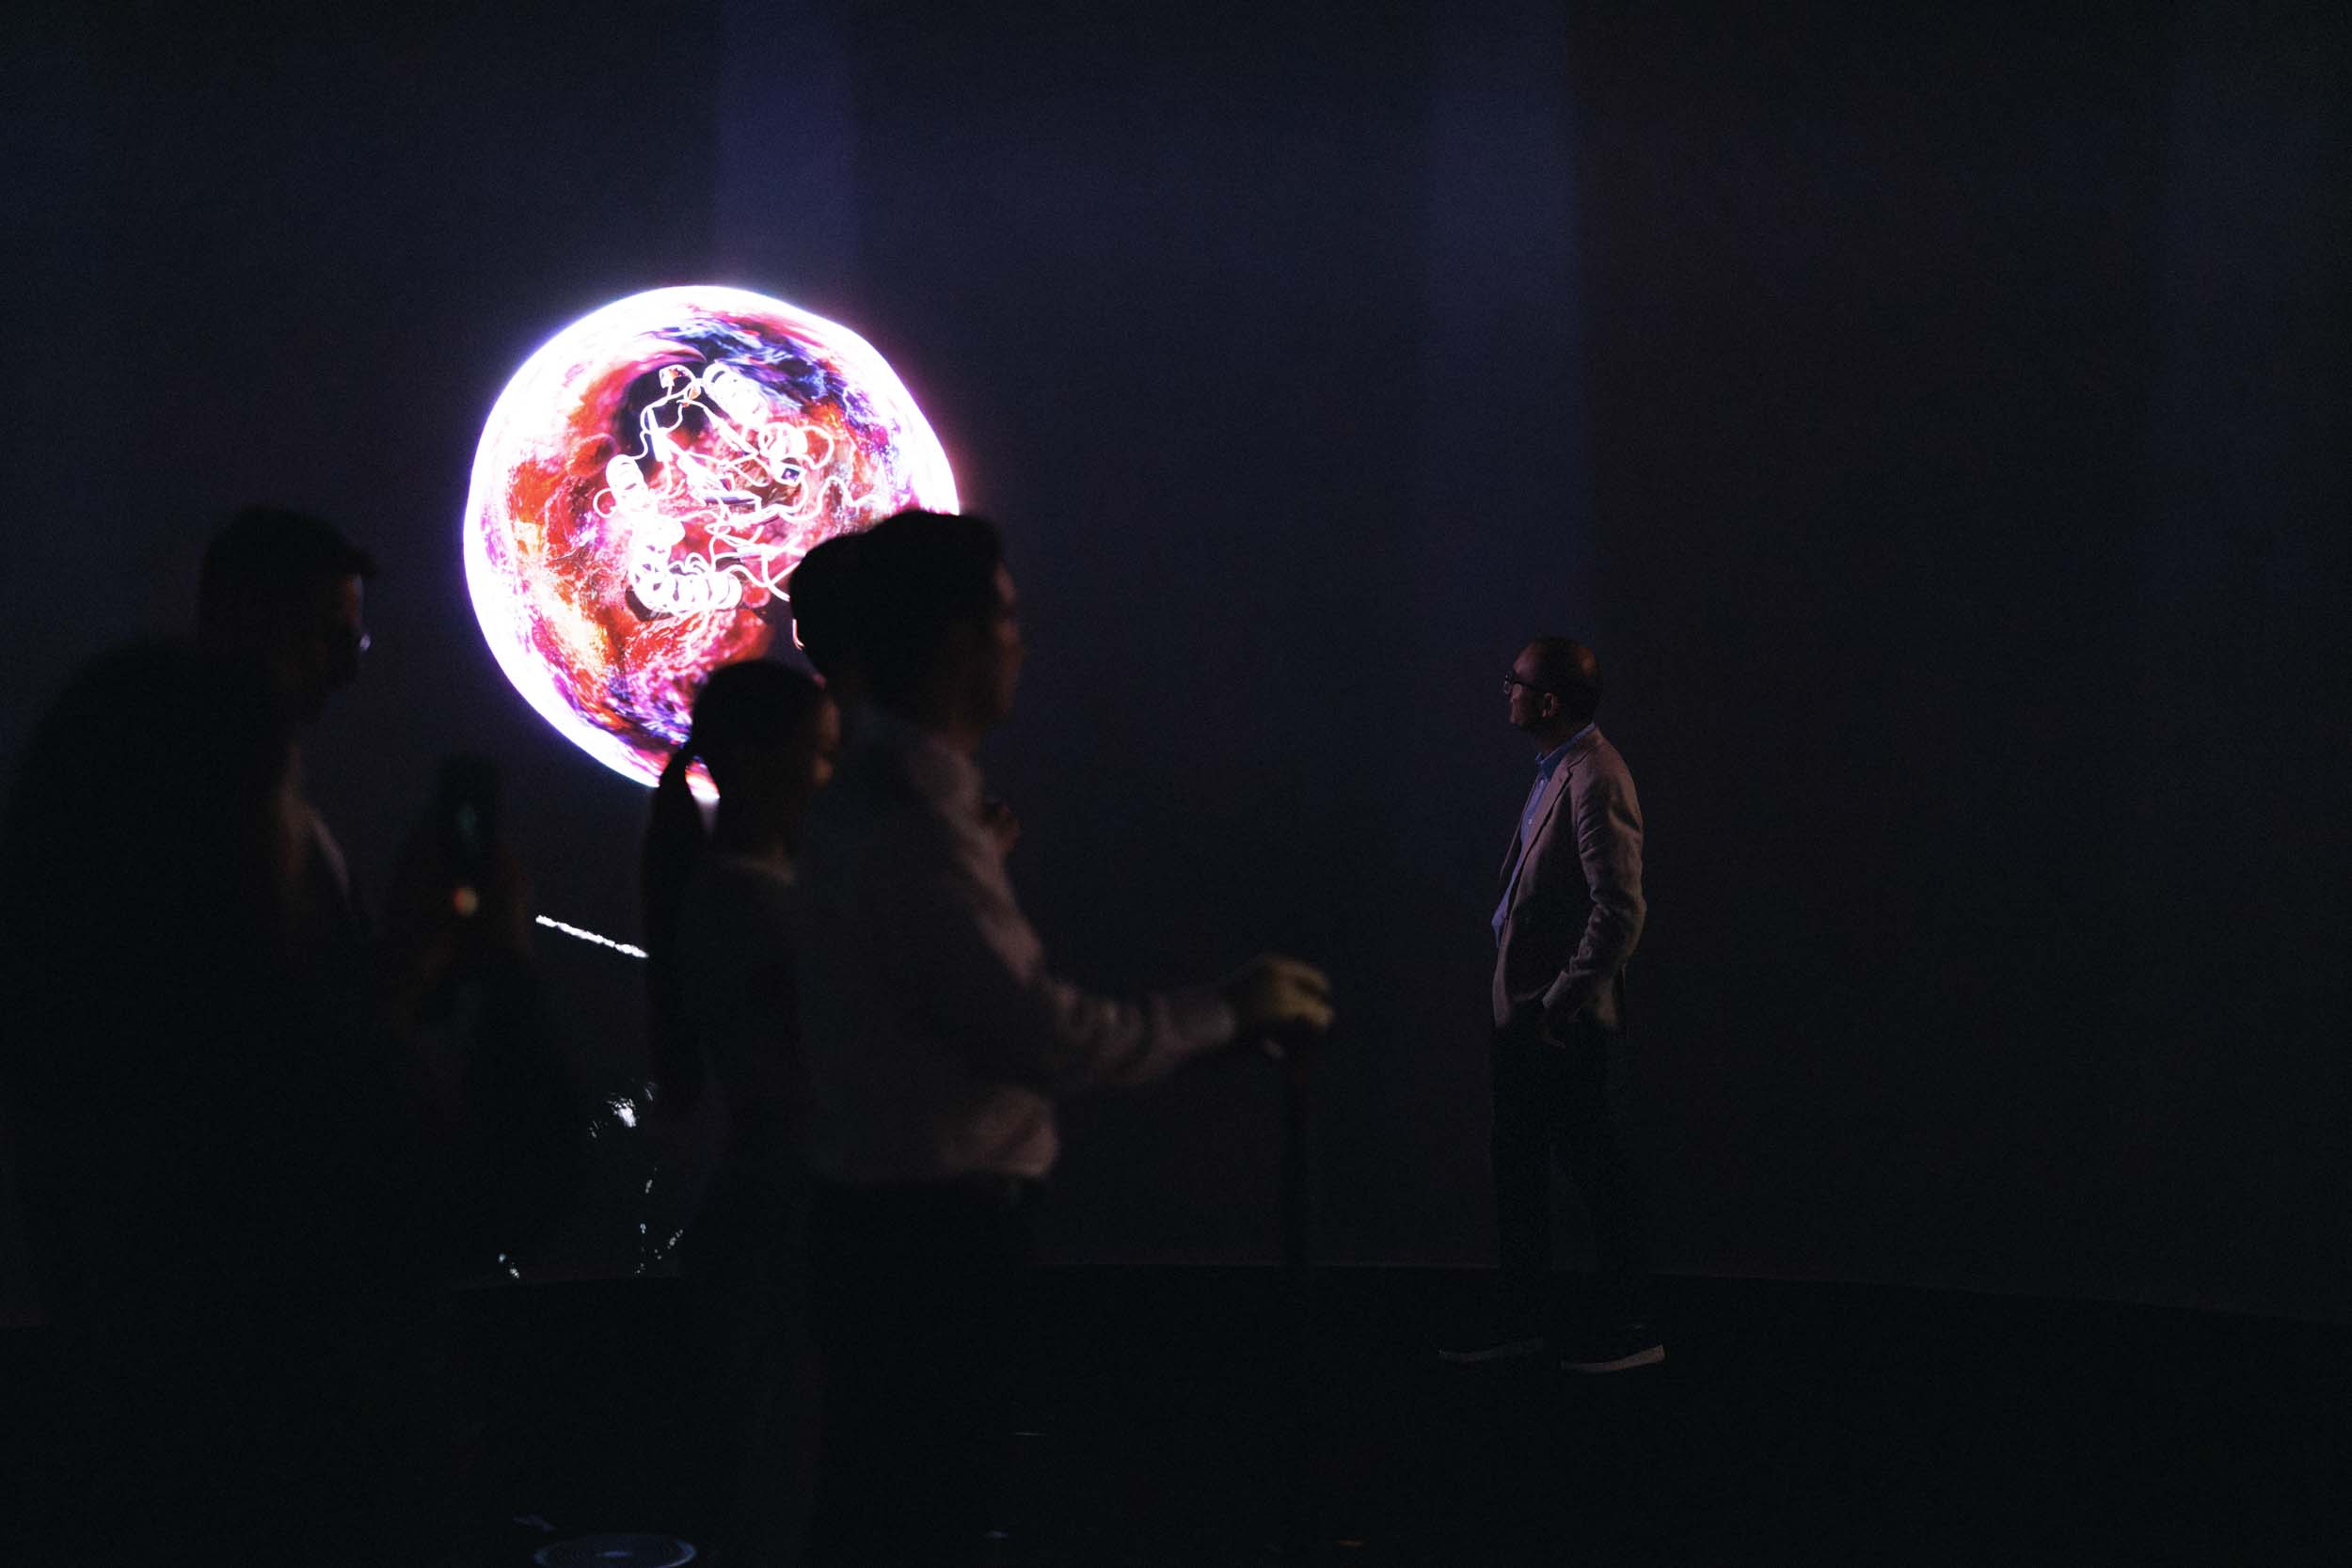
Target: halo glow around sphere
{"points": [[647, 482]]}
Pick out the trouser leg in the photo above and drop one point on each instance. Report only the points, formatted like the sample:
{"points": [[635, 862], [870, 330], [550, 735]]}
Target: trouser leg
{"points": [[747, 1449], [913, 1297], [1523, 1178], [1594, 1069], [877, 1478]]}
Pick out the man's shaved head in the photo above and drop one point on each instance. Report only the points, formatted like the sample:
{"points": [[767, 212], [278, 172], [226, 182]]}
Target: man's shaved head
{"points": [[1567, 669]]}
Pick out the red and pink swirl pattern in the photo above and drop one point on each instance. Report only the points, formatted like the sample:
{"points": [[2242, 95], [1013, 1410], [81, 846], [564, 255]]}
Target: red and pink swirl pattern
{"points": [[647, 482]]}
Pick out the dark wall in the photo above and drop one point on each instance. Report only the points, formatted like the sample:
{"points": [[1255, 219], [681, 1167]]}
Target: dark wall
{"points": [[293, 253], [1970, 433], [1938, 429]]}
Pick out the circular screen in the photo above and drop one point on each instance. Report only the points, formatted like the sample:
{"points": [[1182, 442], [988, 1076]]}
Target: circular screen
{"points": [[648, 479]]}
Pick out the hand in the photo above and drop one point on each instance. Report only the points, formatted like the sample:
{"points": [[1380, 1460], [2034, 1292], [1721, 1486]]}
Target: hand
{"points": [[500, 925], [418, 946], [436, 931], [1002, 825], [1275, 999], [1555, 1018]]}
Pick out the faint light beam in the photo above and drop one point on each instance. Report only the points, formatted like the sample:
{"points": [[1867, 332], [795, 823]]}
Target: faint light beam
{"points": [[627, 950]]}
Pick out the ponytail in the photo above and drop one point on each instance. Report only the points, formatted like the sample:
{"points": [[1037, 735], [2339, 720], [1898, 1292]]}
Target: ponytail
{"points": [[749, 704]]}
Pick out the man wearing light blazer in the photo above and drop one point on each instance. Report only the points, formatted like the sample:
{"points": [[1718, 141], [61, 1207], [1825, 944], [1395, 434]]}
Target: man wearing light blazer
{"points": [[1567, 914]]}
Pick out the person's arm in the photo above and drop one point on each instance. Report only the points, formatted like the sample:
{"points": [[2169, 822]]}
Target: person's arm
{"points": [[980, 971], [1607, 825]]}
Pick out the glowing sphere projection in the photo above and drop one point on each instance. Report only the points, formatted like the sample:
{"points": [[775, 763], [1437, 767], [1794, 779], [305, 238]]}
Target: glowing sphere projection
{"points": [[647, 480]]}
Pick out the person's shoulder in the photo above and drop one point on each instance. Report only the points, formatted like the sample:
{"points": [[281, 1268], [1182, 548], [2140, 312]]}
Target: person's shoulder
{"points": [[877, 772], [868, 788], [872, 819], [733, 891], [1597, 747], [1597, 765], [746, 876]]}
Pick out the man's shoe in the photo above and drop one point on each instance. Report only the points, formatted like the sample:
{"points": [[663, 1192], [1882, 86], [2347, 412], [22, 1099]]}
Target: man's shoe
{"points": [[1510, 1348], [1637, 1345]]}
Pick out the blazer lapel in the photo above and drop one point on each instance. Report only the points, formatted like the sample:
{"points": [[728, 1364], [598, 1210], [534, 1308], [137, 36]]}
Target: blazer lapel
{"points": [[1516, 856], [1555, 787]]}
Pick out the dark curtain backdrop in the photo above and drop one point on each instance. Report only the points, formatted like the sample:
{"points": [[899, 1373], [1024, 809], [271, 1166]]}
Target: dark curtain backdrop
{"points": [[1937, 424], [1970, 432]]}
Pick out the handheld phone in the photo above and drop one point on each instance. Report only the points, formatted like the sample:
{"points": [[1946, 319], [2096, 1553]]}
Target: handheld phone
{"points": [[464, 816]]}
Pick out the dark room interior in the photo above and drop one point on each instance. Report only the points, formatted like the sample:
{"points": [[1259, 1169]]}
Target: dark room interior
{"points": [[1935, 419]]}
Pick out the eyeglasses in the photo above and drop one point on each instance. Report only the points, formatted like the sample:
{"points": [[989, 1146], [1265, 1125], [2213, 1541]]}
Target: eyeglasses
{"points": [[1513, 679]]}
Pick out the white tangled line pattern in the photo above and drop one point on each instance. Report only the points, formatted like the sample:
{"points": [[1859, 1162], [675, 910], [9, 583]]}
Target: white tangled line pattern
{"points": [[753, 497]]}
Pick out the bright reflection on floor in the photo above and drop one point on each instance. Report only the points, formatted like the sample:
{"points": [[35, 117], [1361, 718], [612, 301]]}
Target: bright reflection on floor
{"points": [[616, 1551]]}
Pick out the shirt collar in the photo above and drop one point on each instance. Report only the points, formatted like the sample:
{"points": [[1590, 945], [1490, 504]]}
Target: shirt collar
{"points": [[1550, 760]]}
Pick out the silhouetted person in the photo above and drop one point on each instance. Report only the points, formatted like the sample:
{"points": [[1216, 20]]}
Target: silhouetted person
{"points": [[279, 598], [826, 618], [828, 623], [217, 1182], [937, 1043], [281, 592], [1567, 915], [721, 927], [244, 1168], [279, 595], [147, 882]]}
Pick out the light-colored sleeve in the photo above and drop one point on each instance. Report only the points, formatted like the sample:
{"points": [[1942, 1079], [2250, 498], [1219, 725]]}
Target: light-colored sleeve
{"points": [[1609, 848], [980, 971]]}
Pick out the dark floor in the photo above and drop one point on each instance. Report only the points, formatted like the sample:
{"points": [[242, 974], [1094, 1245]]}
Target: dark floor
{"points": [[1790, 1423]]}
